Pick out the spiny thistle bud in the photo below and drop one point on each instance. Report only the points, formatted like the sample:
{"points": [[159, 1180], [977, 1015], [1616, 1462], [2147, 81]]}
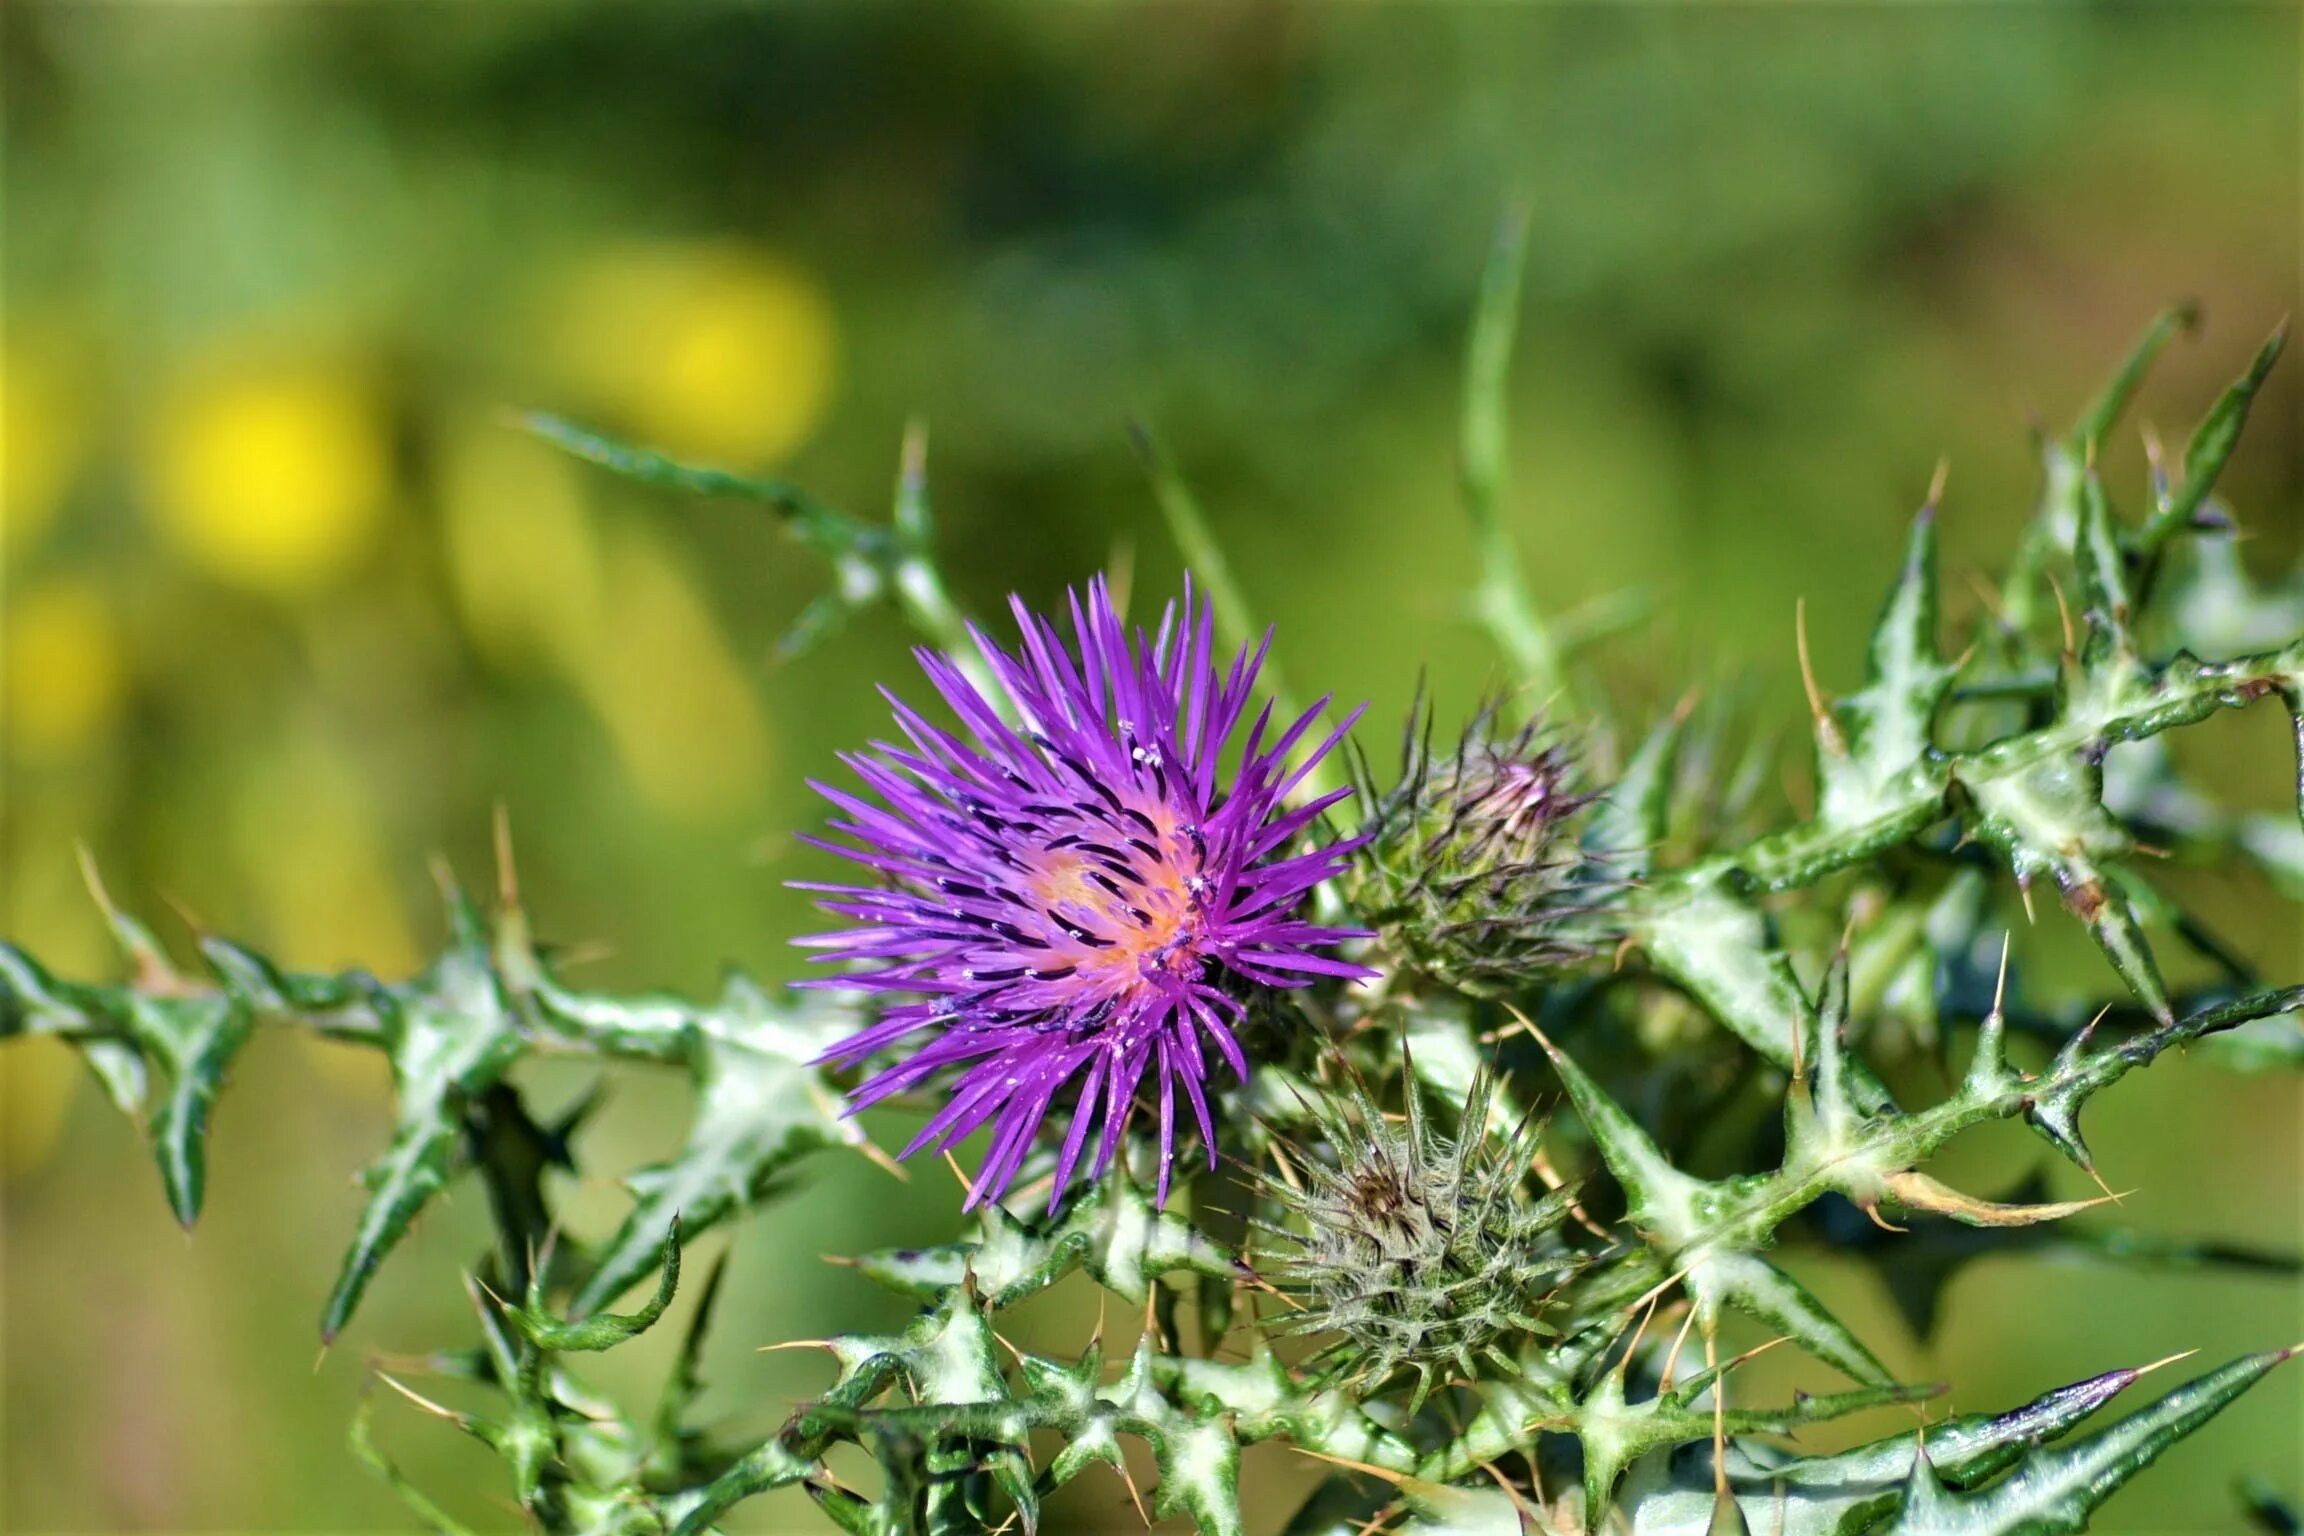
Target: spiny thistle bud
{"points": [[1421, 1251], [1471, 872]]}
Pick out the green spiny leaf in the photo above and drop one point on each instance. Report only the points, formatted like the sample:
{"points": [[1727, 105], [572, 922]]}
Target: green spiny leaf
{"points": [[765, 1468], [1716, 945], [1667, 1206], [119, 1070], [831, 533], [1337, 1506], [670, 1451], [2220, 608], [2211, 445], [1435, 1509], [2261, 1045], [868, 562], [602, 1330], [189, 1042], [1849, 1492], [2053, 1104], [1822, 1117], [2104, 593], [1113, 1230], [160, 1045], [1759, 1289], [1199, 1464], [2046, 816], [2105, 409], [1269, 1401], [2184, 691], [336, 1007], [513, 1155], [1892, 719], [2051, 1491], [761, 1105], [370, 1455], [1615, 1434], [452, 1035]]}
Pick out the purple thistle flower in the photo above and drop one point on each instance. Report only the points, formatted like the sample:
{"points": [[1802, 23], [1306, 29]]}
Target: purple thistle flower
{"points": [[1076, 899]]}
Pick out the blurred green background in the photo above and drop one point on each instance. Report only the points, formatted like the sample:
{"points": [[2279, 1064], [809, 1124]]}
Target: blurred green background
{"points": [[290, 606]]}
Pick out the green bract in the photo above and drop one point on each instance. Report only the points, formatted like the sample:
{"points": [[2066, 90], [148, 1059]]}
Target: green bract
{"points": [[1467, 1345], [1417, 1250], [1472, 874]]}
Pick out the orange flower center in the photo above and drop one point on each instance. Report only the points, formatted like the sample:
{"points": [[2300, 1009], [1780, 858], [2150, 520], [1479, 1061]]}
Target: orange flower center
{"points": [[1120, 910]]}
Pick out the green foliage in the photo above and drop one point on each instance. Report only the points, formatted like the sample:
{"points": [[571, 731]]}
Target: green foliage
{"points": [[1495, 1345], [451, 1034], [1977, 1472], [869, 562]]}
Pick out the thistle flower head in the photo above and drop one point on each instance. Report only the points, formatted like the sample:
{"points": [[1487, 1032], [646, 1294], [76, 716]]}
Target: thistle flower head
{"points": [[1074, 896], [1419, 1249], [1470, 866]]}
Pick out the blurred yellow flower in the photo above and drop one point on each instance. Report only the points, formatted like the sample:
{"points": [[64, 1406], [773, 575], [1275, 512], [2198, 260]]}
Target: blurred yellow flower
{"points": [[722, 352], [271, 477], [523, 555], [684, 717], [64, 668], [40, 440]]}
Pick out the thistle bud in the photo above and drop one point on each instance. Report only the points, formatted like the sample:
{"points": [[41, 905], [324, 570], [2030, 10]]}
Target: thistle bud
{"points": [[1472, 872], [1420, 1250]]}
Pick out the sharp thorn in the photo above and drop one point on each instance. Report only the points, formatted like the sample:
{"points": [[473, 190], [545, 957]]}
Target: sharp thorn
{"points": [[2182, 1354], [1827, 729], [2064, 617], [507, 872]]}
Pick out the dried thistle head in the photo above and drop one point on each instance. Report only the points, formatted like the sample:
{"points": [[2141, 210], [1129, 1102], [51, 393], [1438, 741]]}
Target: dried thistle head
{"points": [[1420, 1249], [1472, 871]]}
